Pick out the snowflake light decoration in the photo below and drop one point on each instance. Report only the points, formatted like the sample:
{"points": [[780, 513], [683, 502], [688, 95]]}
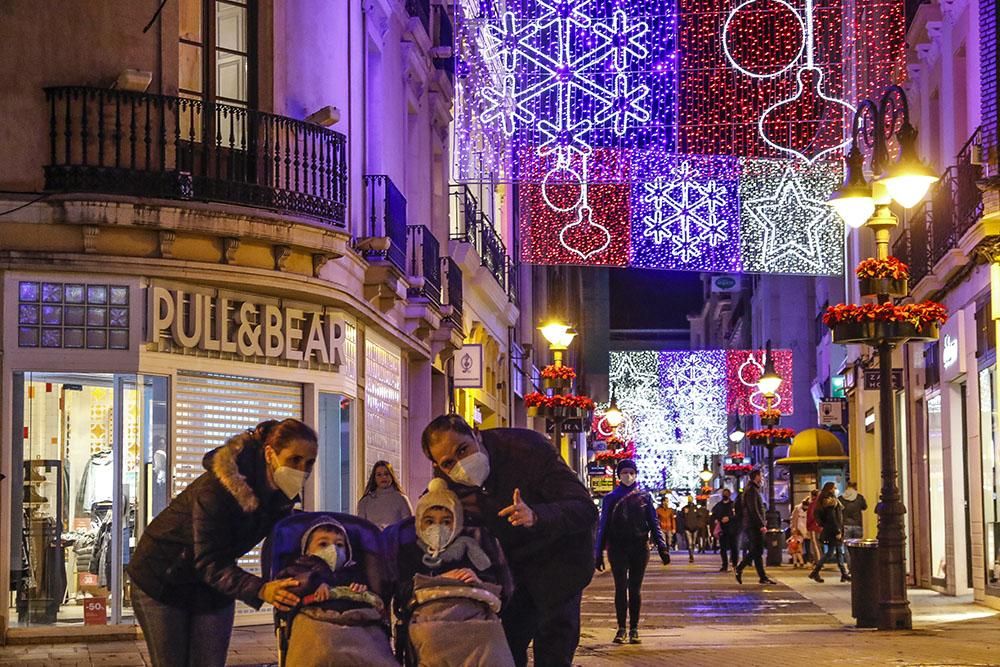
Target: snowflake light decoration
{"points": [[685, 212], [678, 404]]}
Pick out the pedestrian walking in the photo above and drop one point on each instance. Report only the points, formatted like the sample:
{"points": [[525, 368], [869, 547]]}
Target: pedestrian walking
{"points": [[668, 521], [384, 502], [513, 483], [724, 516], [184, 570], [854, 505], [830, 516], [814, 526], [695, 522], [754, 527], [705, 539], [799, 522], [681, 535], [627, 522]]}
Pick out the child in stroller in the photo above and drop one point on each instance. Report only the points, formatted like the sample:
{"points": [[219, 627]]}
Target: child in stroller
{"points": [[336, 559], [450, 583]]}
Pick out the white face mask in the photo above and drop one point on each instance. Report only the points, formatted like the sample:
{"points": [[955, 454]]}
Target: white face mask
{"points": [[472, 470], [290, 481], [333, 555], [627, 478], [437, 538]]}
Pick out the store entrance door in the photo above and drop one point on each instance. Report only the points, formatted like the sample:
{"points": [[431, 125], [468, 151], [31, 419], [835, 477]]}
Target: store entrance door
{"points": [[84, 479]]}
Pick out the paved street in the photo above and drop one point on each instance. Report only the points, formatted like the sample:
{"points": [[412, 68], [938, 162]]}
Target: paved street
{"points": [[694, 615]]}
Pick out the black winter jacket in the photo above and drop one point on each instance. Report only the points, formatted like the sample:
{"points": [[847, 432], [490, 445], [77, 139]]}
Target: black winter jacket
{"points": [[752, 508], [554, 559], [613, 528], [725, 509], [830, 515], [187, 556]]}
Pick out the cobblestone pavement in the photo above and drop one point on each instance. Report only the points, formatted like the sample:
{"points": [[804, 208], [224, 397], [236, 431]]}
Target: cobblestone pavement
{"points": [[692, 615]]}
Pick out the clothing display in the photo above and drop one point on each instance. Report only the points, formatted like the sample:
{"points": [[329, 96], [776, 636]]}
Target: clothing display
{"points": [[42, 586], [97, 483]]}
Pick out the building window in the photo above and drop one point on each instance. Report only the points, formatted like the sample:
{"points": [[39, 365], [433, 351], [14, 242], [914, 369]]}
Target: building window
{"points": [[383, 394], [935, 470], [216, 54], [932, 368], [73, 315]]}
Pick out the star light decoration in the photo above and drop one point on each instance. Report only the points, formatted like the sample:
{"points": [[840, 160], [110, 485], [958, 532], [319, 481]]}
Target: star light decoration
{"points": [[678, 404], [788, 226]]}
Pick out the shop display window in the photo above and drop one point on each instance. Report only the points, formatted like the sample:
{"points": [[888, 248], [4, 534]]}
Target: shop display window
{"points": [[991, 476], [84, 486], [335, 412], [935, 469]]}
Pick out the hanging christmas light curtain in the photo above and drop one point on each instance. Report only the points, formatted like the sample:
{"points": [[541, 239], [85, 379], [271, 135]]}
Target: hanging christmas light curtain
{"points": [[665, 134], [677, 404]]}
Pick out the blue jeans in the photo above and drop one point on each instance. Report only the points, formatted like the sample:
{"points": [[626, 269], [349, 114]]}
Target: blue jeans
{"points": [[180, 638], [852, 533], [831, 550]]}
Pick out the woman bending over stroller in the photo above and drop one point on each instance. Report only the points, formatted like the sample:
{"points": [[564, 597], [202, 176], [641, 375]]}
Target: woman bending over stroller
{"points": [[451, 583]]}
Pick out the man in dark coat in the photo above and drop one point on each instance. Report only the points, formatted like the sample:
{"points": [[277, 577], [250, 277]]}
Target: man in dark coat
{"points": [[513, 483], [724, 515], [754, 527]]}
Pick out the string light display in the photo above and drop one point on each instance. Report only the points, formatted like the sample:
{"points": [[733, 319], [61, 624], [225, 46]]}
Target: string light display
{"points": [[678, 403], [685, 212], [743, 370], [672, 135], [788, 226]]}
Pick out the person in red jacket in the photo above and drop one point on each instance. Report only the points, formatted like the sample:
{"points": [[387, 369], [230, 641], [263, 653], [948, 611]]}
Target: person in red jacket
{"points": [[814, 526]]}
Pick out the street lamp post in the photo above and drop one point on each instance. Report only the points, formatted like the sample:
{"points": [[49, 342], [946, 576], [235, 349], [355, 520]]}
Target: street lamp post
{"points": [[768, 385], [559, 337], [906, 181]]}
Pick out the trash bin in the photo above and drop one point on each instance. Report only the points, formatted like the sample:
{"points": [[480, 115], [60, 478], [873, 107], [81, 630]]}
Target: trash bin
{"points": [[864, 581]]}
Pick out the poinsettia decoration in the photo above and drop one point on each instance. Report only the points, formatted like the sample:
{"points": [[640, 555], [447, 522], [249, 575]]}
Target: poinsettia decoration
{"points": [[889, 268], [616, 454], [776, 433], [553, 372], [920, 315], [538, 400], [737, 468], [770, 414]]}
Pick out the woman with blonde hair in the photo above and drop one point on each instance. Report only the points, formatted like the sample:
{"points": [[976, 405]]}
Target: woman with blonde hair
{"points": [[384, 502]]}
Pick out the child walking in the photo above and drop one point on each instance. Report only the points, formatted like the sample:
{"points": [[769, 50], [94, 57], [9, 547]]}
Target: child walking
{"points": [[794, 545]]}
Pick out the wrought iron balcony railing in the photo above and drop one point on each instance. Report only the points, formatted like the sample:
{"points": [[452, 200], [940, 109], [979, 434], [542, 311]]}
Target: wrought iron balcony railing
{"points": [[937, 225], [471, 225], [386, 219], [122, 142], [425, 263], [452, 281], [420, 9]]}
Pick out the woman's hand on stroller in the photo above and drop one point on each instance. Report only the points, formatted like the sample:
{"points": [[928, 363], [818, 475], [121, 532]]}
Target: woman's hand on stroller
{"points": [[464, 575], [358, 587], [274, 593]]}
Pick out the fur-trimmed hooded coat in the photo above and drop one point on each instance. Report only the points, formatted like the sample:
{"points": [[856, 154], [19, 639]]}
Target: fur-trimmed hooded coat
{"points": [[187, 556]]}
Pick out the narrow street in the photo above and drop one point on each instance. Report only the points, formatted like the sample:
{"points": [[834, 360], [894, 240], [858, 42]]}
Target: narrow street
{"points": [[693, 615]]}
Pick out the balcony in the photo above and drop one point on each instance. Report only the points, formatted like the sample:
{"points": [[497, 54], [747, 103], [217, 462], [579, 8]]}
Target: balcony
{"points": [[470, 225], [451, 335], [425, 264], [945, 231], [385, 245], [127, 143]]}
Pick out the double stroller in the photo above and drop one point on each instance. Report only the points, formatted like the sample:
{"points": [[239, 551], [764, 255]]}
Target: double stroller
{"points": [[439, 621], [349, 629]]}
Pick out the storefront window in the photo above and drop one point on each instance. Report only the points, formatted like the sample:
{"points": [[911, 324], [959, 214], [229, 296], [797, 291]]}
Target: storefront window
{"points": [[335, 452], [991, 474], [84, 476], [935, 466], [903, 463]]}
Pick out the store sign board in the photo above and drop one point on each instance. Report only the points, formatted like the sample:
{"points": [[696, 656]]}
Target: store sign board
{"points": [[953, 347], [873, 379], [831, 411], [252, 328], [602, 484], [469, 367]]}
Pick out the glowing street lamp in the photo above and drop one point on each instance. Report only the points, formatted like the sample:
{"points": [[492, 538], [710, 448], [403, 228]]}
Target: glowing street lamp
{"points": [[736, 434], [769, 381], [613, 415], [559, 337], [706, 474]]}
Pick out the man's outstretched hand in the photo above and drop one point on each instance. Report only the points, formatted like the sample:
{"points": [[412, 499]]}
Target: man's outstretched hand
{"points": [[518, 513]]}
